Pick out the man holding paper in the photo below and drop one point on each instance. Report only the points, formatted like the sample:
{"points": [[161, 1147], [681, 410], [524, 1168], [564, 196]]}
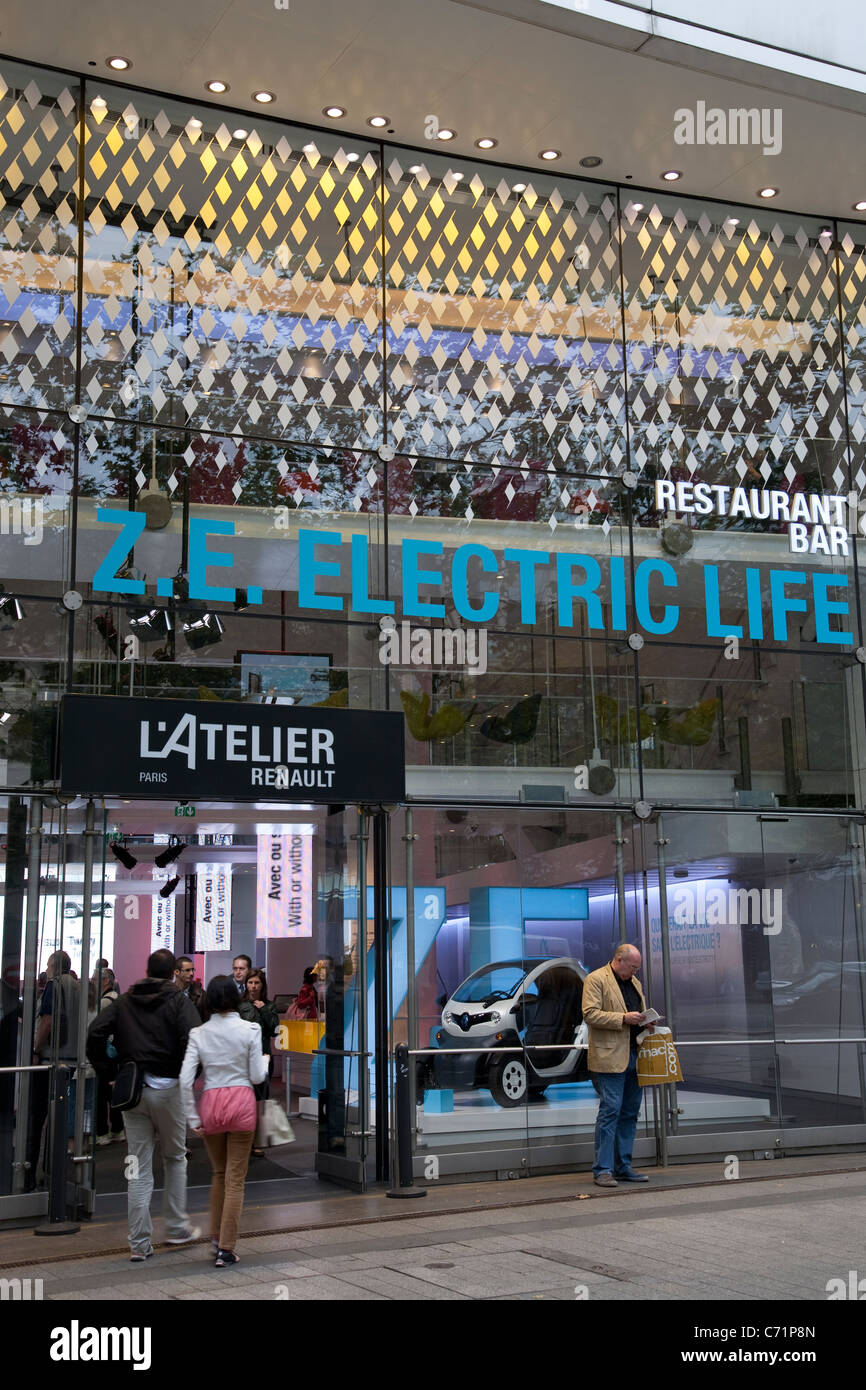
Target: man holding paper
{"points": [[614, 1010]]}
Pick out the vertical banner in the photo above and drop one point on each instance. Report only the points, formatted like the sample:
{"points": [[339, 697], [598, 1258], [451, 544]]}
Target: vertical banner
{"points": [[284, 883], [213, 908], [162, 924]]}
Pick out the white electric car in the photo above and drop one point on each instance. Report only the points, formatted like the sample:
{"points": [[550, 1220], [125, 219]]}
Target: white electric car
{"points": [[530, 1005]]}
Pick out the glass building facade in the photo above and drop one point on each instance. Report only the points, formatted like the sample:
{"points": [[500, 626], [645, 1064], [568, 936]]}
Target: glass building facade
{"points": [[425, 404]]}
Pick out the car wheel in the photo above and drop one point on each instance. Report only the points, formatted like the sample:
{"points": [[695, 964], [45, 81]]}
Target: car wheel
{"points": [[507, 1081]]}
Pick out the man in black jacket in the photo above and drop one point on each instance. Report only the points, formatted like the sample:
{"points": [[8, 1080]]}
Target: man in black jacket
{"points": [[150, 1025]]}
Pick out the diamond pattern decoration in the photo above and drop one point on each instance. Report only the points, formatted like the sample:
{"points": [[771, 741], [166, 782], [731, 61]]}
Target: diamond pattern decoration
{"points": [[503, 321], [238, 281], [38, 152], [733, 358]]}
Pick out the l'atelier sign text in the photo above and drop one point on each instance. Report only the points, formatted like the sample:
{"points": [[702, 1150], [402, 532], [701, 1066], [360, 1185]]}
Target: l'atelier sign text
{"points": [[576, 578], [196, 739]]}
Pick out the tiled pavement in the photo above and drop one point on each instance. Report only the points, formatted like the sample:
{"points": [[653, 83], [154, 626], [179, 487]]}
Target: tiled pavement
{"points": [[773, 1238]]}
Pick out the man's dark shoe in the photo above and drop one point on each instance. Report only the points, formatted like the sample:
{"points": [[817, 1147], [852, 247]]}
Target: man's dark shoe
{"points": [[631, 1176], [605, 1180]]}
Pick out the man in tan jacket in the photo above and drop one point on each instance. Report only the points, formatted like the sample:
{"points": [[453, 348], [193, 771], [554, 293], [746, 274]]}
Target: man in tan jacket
{"points": [[613, 1007]]}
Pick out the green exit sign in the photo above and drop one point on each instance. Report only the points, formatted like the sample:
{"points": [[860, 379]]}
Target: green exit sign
{"points": [[182, 810]]}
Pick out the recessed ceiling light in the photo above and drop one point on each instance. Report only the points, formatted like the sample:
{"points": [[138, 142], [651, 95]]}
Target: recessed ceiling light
{"points": [[194, 123], [335, 112], [98, 103], [265, 98], [860, 207], [216, 86], [455, 174], [767, 192], [446, 133], [590, 161], [732, 221], [309, 149], [240, 134], [550, 154], [119, 64], [486, 143], [518, 188], [416, 168], [637, 207], [352, 156], [378, 121], [671, 175]]}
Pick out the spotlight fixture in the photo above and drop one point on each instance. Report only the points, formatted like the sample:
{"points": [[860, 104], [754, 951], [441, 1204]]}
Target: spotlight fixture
{"points": [[732, 221], [168, 855], [309, 148], [767, 192], [11, 612], [518, 188], [99, 104], [264, 98], [119, 64], [151, 626], [193, 123], [168, 888], [204, 631], [637, 207], [217, 86], [378, 121], [550, 154], [590, 161], [456, 174], [446, 133], [335, 112], [486, 143], [860, 207], [240, 134], [671, 175], [352, 157], [123, 856], [418, 168]]}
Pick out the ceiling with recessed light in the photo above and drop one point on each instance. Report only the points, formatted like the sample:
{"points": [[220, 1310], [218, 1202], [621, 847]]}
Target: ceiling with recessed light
{"points": [[485, 75]]}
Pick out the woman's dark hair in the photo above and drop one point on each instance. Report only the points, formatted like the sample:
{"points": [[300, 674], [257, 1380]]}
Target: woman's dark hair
{"points": [[310, 976], [222, 995], [259, 975]]}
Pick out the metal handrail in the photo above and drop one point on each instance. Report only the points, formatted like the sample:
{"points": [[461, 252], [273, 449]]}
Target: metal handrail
{"points": [[573, 1047]]}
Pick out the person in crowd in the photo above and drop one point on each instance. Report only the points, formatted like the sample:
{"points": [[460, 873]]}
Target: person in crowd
{"points": [[56, 1037], [613, 1008], [228, 1048], [307, 1002], [150, 1025], [109, 1122], [257, 1008], [241, 967], [184, 978]]}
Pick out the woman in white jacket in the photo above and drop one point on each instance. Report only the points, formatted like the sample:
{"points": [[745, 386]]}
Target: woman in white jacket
{"points": [[229, 1050]]}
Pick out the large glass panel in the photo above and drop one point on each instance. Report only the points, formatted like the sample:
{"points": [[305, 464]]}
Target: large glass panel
{"points": [[233, 272], [513, 909], [503, 316], [38, 251], [812, 906]]}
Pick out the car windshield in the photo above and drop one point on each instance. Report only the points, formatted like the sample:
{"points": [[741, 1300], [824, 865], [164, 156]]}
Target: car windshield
{"points": [[500, 981]]}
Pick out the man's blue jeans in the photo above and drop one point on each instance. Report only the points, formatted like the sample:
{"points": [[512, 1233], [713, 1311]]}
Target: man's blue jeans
{"points": [[619, 1103]]}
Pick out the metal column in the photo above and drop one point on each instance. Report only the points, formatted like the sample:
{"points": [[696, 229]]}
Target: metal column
{"points": [[669, 1091], [619, 841], [380, 1007], [31, 948], [90, 835]]}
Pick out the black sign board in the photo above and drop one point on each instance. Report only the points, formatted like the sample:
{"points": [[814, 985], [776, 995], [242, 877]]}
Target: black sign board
{"points": [[226, 751]]}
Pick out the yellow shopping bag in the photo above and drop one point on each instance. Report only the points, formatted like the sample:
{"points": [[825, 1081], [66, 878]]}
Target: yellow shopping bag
{"points": [[657, 1060]]}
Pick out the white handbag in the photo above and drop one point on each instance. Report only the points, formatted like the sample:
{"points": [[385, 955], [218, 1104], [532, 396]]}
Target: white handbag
{"points": [[273, 1127]]}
